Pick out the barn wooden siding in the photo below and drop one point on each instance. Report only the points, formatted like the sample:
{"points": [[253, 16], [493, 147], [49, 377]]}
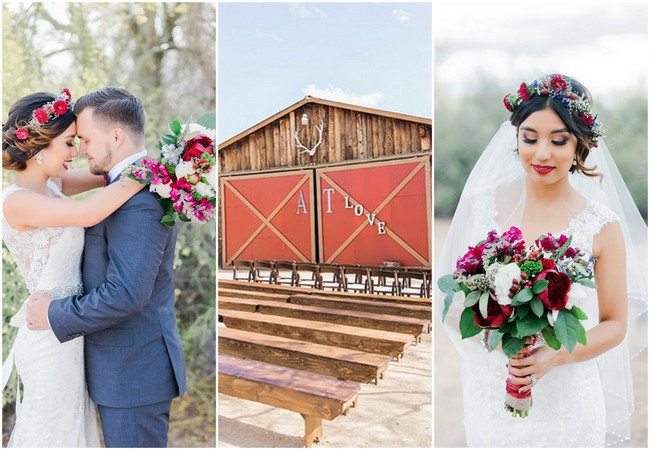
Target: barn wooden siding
{"points": [[349, 133]]}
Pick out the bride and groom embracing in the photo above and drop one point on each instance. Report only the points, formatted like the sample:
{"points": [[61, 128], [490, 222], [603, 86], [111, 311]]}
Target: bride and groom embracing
{"points": [[110, 283]]}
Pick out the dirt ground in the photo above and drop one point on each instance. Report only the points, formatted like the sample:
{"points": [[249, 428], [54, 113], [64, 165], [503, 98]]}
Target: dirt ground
{"points": [[395, 413], [448, 426]]}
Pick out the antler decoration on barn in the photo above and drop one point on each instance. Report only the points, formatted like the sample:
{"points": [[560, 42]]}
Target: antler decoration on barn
{"points": [[310, 151]]}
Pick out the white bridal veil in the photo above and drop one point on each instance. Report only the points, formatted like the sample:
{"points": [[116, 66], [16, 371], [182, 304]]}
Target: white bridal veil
{"points": [[493, 197]]}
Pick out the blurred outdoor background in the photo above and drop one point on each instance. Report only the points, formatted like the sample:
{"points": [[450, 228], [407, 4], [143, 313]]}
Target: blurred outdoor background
{"points": [[484, 51], [165, 54]]}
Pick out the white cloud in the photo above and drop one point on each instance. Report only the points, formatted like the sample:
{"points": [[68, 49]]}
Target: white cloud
{"points": [[303, 10], [371, 99], [273, 36], [402, 16]]}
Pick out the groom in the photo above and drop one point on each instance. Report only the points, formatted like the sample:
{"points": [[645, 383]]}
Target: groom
{"points": [[133, 353]]}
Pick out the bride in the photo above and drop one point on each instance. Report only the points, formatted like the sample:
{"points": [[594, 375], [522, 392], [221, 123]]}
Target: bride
{"points": [[43, 230], [548, 170]]}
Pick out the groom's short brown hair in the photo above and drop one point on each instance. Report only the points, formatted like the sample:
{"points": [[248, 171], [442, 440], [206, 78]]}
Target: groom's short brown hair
{"points": [[115, 105]]}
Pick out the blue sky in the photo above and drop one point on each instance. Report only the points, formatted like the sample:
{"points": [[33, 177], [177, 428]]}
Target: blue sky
{"points": [[273, 54]]}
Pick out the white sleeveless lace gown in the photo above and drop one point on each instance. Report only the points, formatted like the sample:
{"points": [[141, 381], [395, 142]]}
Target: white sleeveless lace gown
{"points": [[568, 402], [55, 410]]}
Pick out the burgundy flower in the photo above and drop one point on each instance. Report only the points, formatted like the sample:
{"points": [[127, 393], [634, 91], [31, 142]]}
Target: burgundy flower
{"points": [[496, 314], [586, 119], [60, 107], [40, 115], [548, 263], [506, 103], [558, 83], [523, 92], [67, 93], [556, 294], [570, 252], [471, 262], [22, 133], [197, 146]]}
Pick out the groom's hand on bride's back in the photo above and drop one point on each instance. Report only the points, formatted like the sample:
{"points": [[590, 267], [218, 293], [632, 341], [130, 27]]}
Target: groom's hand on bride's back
{"points": [[37, 307]]}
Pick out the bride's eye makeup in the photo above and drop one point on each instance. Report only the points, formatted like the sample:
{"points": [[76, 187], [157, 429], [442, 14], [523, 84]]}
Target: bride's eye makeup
{"points": [[528, 140], [560, 142]]}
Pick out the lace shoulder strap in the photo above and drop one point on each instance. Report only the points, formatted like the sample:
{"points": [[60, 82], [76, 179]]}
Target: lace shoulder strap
{"points": [[595, 217]]}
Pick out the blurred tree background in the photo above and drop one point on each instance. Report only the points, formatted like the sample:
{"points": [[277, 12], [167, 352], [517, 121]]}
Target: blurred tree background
{"points": [[466, 123], [165, 54]]}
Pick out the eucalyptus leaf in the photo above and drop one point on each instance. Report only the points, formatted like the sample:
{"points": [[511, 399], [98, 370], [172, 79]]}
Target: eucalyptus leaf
{"points": [[447, 284], [448, 299], [523, 296], [483, 304], [495, 337], [587, 282], [472, 298]]}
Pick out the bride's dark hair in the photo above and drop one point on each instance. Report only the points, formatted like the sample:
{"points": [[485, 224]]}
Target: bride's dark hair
{"points": [[16, 152], [583, 133]]}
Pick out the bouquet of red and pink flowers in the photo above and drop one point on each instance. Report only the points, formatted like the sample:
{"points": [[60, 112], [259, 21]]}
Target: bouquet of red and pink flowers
{"points": [[521, 293], [183, 176]]}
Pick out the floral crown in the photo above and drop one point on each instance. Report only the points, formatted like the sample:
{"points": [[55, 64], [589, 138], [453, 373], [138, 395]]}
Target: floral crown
{"points": [[557, 87], [58, 107]]}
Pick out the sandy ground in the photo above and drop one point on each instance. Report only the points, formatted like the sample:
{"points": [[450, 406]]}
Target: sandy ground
{"points": [[448, 425], [395, 413]]}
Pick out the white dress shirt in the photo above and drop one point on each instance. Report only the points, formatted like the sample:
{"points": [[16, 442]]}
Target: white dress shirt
{"points": [[120, 166]]}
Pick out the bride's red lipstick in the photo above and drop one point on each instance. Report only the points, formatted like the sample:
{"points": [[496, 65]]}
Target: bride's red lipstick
{"points": [[543, 170]]}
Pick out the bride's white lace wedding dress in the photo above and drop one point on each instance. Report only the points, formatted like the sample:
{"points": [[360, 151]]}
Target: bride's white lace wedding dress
{"points": [[568, 402], [55, 410]]}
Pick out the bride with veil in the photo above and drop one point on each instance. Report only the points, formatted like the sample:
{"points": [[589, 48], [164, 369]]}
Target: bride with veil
{"points": [[548, 170]]}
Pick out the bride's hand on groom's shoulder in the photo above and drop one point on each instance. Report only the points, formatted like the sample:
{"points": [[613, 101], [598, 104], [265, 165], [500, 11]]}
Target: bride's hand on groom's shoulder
{"points": [[37, 307]]}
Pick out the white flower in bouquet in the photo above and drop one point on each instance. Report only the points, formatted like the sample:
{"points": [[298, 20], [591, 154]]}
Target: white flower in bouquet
{"points": [[503, 282], [210, 178], [164, 190], [204, 190], [184, 168], [577, 296], [195, 128], [552, 316]]}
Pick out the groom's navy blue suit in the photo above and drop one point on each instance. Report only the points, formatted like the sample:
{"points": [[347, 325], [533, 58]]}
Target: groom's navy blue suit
{"points": [[134, 358]]}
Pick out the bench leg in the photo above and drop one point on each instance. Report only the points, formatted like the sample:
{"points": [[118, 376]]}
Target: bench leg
{"points": [[313, 429]]}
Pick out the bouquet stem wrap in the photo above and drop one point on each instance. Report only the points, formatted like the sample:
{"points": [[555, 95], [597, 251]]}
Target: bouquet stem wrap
{"points": [[519, 404]]}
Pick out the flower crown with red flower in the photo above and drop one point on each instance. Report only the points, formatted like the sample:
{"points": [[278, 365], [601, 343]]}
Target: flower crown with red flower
{"points": [[58, 107], [557, 87]]}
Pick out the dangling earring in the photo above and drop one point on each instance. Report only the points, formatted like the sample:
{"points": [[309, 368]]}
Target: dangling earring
{"points": [[575, 161], [39, 158]]}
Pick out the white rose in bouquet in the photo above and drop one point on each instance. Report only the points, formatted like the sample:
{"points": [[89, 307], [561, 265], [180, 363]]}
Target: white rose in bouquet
{"points": [[163, 190], [577, 296], [184, 168], [503, 282]]}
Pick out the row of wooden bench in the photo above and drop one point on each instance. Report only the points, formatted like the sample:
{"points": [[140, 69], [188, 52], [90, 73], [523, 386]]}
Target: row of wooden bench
{"points": [[293, 348], [401, 281]]}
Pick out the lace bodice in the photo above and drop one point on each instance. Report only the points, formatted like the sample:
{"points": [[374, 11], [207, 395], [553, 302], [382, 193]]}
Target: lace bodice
{"points": [[49, 258]]}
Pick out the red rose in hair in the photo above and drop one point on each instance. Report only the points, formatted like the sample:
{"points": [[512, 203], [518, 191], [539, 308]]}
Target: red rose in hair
{"points": [[22, 133], [60, 107], [586, 118], [197, 146], [523, 92], [558, 83], [66, 92], [556, 294], [40, 115], [506, 103], [496, 314]]}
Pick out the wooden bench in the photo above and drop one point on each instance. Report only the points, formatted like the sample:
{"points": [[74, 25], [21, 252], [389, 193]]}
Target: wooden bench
{"points": [[324, 359], [417, 311], [314, 396], [294, 290], [355, 338], [362, 319]]}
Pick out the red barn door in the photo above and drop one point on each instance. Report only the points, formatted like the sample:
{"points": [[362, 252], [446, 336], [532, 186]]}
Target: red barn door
{"points": [[268, 216], [375, 212]]}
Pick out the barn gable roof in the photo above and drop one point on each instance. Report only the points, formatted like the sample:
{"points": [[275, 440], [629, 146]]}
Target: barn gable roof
{"points": [[309, 99]]}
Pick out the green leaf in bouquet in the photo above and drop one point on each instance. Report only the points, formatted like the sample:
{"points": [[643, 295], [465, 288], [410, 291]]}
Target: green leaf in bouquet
{"points": [[168, 221], [495, 337], [483, 303], [167, 205], [549, 337], [168, 138], [530, 325], [539, 286], [567, 328], [464, 288], [582, 336], [562, 250], [537, 306], [447, 284], [511, 345], [183, 218], [448, 299], [522, 310], [523, 296], [191, 134], [472, 298], [468, 327], [580, 314], [175, 126], [588, 283], [208, 121]]}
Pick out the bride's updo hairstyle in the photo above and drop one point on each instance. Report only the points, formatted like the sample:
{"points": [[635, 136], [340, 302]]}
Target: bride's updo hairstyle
{"points": [[16, 151], [571, 117]]}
